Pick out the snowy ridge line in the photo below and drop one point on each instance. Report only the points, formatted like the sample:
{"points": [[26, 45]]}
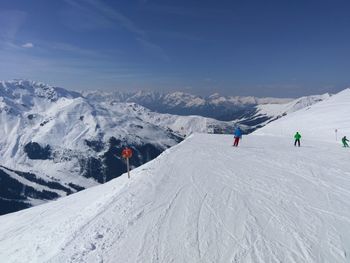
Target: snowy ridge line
{"points": [[224, 108], [318, 122], [263, 114]]}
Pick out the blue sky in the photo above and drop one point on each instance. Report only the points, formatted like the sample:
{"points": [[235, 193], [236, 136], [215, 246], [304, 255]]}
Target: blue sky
{"points": [[249, 47]]}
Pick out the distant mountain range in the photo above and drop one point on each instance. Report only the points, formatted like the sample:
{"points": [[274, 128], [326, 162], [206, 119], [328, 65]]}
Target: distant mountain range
{"points": [[214, 106], [249, 112]]}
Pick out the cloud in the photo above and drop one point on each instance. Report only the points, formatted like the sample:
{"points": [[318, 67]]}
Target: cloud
{"points": [[153, 48], [185, 11], [69, 48], [106, 16], [28, 45], [179, 35], [10, 21], [82, 17], [96, 14], [117, 16]]}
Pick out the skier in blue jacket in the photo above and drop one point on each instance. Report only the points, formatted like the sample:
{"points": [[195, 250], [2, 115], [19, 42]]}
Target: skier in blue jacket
{"points": [[237, 135]]}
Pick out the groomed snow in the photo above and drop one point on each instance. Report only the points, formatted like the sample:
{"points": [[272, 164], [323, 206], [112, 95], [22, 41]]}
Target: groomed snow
{"points": [[200, 201]]}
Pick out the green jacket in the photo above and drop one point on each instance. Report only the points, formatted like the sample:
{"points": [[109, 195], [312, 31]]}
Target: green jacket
{"points": [[297, 136], [344, 140]]}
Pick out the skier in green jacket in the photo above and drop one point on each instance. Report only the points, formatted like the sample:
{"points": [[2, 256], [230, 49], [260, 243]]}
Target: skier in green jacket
{"points": [[344, 140], [297, 137]]}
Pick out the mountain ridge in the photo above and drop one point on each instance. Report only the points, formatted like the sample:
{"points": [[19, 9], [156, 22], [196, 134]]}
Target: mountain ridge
{"points": [[224, 108]]}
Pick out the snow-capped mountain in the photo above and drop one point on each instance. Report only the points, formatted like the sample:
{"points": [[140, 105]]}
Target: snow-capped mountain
{"points": [[54, 142], [205, 201], [225, 108], [249, 112]]}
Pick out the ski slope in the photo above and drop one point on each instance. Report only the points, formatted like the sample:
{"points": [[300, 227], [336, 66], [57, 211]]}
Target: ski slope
{"points": [[317, 122], [200, 201]]}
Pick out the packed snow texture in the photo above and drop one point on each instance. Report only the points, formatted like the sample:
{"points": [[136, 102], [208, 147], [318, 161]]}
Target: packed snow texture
{"points": [[206, 201]]}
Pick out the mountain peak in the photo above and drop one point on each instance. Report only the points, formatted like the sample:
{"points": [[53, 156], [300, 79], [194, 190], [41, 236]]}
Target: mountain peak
{"points": [[214, 96], [26, 89]]}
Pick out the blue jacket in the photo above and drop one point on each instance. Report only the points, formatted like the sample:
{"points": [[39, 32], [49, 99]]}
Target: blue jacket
{"points": [[238, 133]]}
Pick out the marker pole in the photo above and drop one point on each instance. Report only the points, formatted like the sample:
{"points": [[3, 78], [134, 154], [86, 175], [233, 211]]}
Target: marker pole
{"points": [[336, 134], [128, 167]]}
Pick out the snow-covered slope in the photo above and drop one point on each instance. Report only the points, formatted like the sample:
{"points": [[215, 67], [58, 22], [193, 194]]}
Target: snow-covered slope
{"points": [[295, 105], [263, 114], [54, 142], [205, 201], [317, 122]]}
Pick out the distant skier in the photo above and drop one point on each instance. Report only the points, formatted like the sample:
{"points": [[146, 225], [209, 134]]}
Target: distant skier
{"points": [[297, 137], [344, 140], [237, 135]]}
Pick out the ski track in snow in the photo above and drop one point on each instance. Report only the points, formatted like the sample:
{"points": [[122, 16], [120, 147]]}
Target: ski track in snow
{"points": [[201, 201]]}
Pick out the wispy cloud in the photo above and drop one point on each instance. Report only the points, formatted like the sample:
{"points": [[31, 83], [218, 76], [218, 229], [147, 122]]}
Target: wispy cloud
{"points": [[101, 14], [80, 16], [178, 35], [117, 16], [186, 11], [153, 48], [106, 16], [28, 45], [72, 49], [11, 22]]}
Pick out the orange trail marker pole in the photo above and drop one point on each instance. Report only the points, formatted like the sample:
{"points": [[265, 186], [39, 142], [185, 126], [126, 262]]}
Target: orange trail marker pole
{"points": [[126, 154]]}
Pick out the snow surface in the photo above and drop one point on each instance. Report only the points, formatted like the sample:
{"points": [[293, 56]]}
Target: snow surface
{"points": [[318, 122], [206, 201], [295, 105], [268, 112]]}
